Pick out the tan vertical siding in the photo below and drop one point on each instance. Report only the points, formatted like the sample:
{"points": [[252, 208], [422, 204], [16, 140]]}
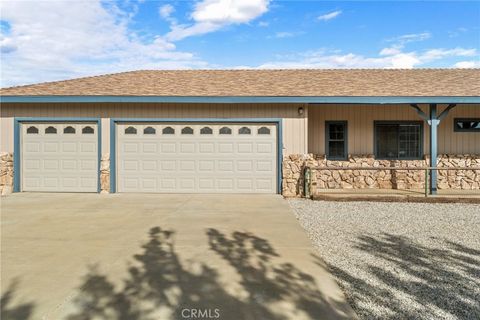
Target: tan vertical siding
{"points": [[294, 126], [361, 127], [6, 134]]}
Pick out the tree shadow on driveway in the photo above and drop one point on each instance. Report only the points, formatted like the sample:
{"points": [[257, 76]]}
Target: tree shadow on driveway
{"points": [[412, 281], [160, 286], [14, 311]]}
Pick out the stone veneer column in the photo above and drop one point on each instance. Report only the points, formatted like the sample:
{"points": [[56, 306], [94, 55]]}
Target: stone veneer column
{"points": [[105, 173], [6, 173]]}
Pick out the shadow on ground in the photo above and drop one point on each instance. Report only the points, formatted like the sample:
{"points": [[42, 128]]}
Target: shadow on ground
{"points": [[14, 311], [159, 285], [438, 282]]}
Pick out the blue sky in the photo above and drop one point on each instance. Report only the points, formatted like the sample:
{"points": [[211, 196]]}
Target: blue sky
{"points": [[54, 40]]}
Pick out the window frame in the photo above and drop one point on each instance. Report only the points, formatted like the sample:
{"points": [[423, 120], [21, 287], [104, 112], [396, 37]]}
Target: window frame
{"points": [[398, 123], [455, 129], [327, 139]]}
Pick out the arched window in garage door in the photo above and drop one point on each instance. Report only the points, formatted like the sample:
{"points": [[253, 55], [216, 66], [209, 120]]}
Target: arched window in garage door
{"points": [[225, 130], [88, 130], [51, 130], [149, 130], [130, 130], [32, 130], [69, 130], [168, 130]]}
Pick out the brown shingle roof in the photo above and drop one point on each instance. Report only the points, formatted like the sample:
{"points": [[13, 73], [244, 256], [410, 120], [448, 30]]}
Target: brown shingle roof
{"points": [[293, 83]]}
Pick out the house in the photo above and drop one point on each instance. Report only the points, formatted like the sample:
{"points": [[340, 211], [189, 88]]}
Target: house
{"points": [[240, 131]]}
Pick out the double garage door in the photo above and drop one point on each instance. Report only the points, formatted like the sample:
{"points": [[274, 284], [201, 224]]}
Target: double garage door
{"points": [[197, 157], [152, 157]]}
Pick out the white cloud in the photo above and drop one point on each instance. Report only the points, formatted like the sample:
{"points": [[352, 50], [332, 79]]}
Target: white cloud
{"points": [[467, 64], [330, 15], [263, 24], [52, 40], [412, 37], [435, 54], [285, 34], [166, 11], [390, 51], [212, 15], [387, 58]]}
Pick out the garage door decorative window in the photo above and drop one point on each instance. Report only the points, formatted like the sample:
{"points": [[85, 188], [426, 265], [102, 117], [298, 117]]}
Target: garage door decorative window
{"points": [[32, 130], [88, 130], [69, 130], [225, 130], [187, 130], [263, 130], [51, 130], [206, 130], [168, 130], [244, 130], [149, 130], [131, 130]]}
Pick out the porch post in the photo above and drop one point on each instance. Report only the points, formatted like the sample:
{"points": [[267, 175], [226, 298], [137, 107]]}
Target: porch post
{"points": [[434, 121]]}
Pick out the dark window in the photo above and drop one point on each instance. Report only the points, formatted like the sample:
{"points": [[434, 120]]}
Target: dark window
{"points": [[263, 130], [149, 130], [168, 130], [32, 130], [336, 140], [88, 130], [187, 130], [225, 130], [51, 130], [244, 130], [130, 130], [467, 125], [402, 140], [206, 130], [69, 130]]}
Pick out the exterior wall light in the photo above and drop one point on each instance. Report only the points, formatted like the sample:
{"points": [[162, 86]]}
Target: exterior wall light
{"points": [[300, 111]]}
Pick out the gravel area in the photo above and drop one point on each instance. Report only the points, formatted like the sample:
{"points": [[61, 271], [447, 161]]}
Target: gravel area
{"points": [[400, 260]]}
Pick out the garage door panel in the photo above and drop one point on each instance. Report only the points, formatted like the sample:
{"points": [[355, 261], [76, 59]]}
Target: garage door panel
{"points": [[65, 160], [168, 147], [211, 159], [69, 165], [206, 147], [49, 147], [149, 147], [88, 147]]}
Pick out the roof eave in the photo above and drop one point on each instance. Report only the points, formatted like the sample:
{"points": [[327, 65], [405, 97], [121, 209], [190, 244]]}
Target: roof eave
{"points": [[241, 99]]}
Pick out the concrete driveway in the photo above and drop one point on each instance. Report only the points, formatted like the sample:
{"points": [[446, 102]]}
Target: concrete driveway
{"points": [[146, 256]]}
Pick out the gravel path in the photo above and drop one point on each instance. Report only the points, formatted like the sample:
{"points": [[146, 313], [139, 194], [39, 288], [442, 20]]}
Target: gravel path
{"points": [[400, 260]]}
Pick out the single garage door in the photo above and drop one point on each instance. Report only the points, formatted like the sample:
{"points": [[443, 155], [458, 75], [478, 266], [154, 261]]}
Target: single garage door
{"points": [[197, 157], [59, 157]]}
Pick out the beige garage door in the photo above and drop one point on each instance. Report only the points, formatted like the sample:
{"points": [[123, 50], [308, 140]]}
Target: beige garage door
{"points": [[59, 157], [197, 158]]}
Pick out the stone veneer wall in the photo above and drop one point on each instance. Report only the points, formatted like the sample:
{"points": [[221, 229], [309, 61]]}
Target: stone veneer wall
{"points": [[6, 173], [293, 180], [105, 173]]}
